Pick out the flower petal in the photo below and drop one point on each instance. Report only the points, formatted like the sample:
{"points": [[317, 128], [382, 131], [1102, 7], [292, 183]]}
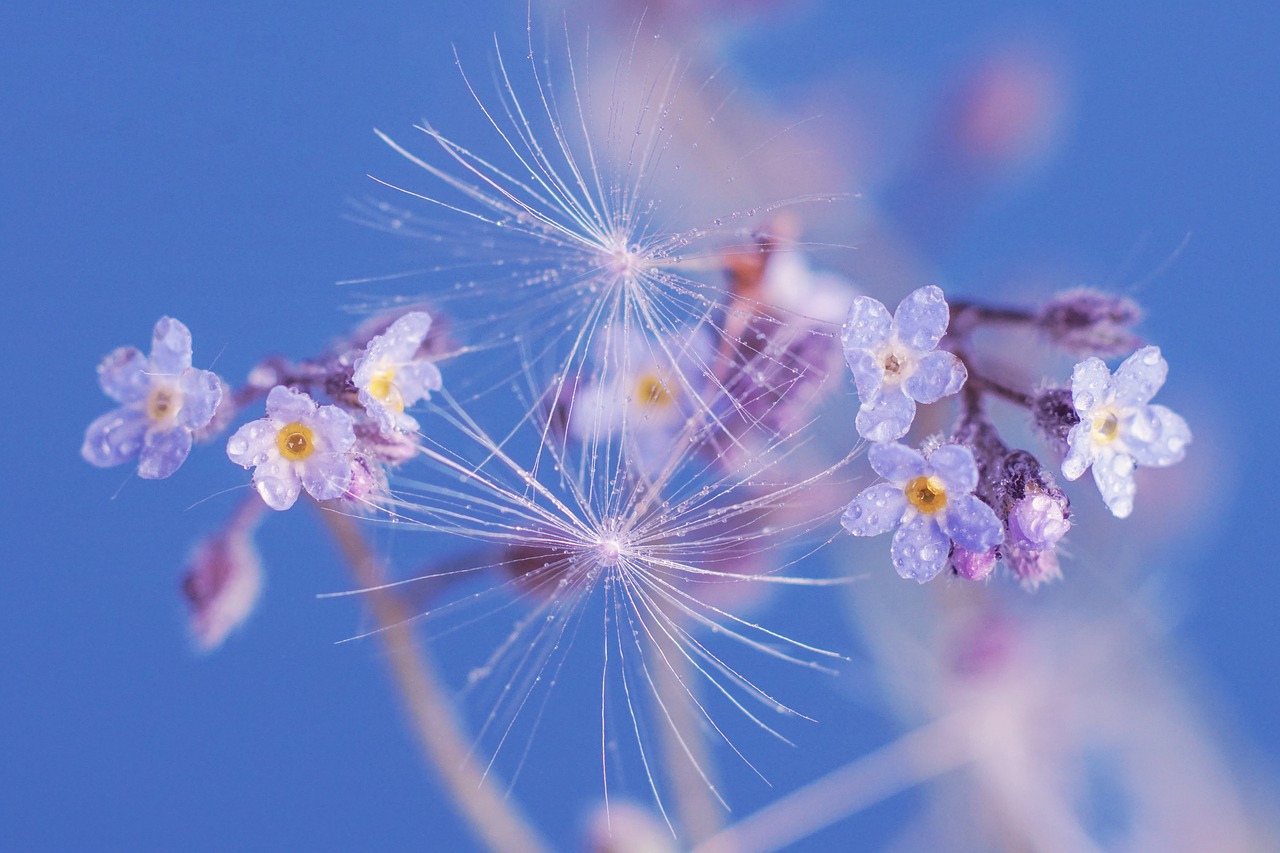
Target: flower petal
{"points": [[896, 462], [971, 524], [417, 380], [875, 510], [114, 438], [334, 429], [201, 394], [921, 319], [868, 326], [920, 549], [326, 476], [254, 443], [1090, 385], [886, 416], [286, 406], [955, 466], [123, 375], [277, 483], [402, 338], [938, 374], [1157, 437], [1113, 472], [1081, 451], [170, 347], [163, 452], [868, 373], [1140, 376]]}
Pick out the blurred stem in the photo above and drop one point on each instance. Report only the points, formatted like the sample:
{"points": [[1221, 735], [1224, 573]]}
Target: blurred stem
{"points": [[493, 817], [914, 758]]}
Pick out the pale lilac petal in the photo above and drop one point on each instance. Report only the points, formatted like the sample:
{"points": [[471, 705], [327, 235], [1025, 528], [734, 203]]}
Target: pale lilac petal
{"points": [[970, 523], [974, 565], [886, 417], [955, 467], [402, 338], [1080, 453], [222, 583], [875, 510], [417, 380], [170, 347], [326, 476], [869, 324], [921, 319], [1140, 375], [920, 549], [114, 438], [123, 375], [868, 372], [287, 406], [897, 463], [1113, 472], [201, 394], [163, 452], [277, 483], [334, 429], [254, 443], [1090, 385], [1157, 437], [938, 374]]}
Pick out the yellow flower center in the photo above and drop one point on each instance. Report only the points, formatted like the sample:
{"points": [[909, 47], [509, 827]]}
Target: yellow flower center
{"points": [[163, 403], [296, 442], [652, 391], [1105, 428], [382, 387], [926, 494]]}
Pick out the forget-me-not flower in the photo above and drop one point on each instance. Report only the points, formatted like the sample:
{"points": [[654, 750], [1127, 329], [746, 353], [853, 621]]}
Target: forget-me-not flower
{"points": [[930, 501], [298, 445], [1118, 428], [163, 401], [895, 360], [390, 374]]}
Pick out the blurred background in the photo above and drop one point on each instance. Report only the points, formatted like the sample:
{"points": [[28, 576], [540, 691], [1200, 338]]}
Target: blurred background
{"points": [[200, 162]]}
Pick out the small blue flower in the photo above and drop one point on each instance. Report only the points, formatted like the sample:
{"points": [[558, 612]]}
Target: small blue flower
{"points": [[895, 360], [298, 445], [390, 374], [930, 501], [164, 400], [1118, 429]]}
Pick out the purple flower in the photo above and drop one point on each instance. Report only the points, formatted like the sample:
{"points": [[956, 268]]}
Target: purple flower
{"points": [[223, 578], [1118, 429], [298, 445], [896, 363], [391, 375], [932, 504], [164, 400]]}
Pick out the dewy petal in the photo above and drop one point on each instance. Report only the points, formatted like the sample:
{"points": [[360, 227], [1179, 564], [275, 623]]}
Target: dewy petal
{"points": [[868, 326], [254, 443], [938, 374], [868, 373], [384, 417], [417, 380], [114, 438], [955, 466], [1140, 376], [920, 549], [326, 476], [163, 452], [886, 416], [970, 523], [170, 347], [1080, 453], [896, 462], [123, 375], [875, 510], [1157, 437], [286, 406], [921, 318], [201, 394], [1113, 472], [1090, 385], [277, 483], [405, 336], [334, 428]]}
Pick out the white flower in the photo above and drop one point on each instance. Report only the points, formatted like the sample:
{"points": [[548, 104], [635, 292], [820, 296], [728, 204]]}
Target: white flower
{"points": [[390, 375], [1118, 429]]}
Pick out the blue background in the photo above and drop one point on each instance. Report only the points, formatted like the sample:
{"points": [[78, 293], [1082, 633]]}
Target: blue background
{"points": [[194, 161]]}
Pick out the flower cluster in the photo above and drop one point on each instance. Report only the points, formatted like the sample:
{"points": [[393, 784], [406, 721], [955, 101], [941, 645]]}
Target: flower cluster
{"points": [[972, 501]]}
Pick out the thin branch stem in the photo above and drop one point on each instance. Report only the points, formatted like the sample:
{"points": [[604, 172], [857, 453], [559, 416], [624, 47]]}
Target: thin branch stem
{"points": [[493, 817], [914, 758]]}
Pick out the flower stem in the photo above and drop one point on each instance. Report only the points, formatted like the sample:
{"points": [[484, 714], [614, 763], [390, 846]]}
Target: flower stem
{"points": [[492, 816]]}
